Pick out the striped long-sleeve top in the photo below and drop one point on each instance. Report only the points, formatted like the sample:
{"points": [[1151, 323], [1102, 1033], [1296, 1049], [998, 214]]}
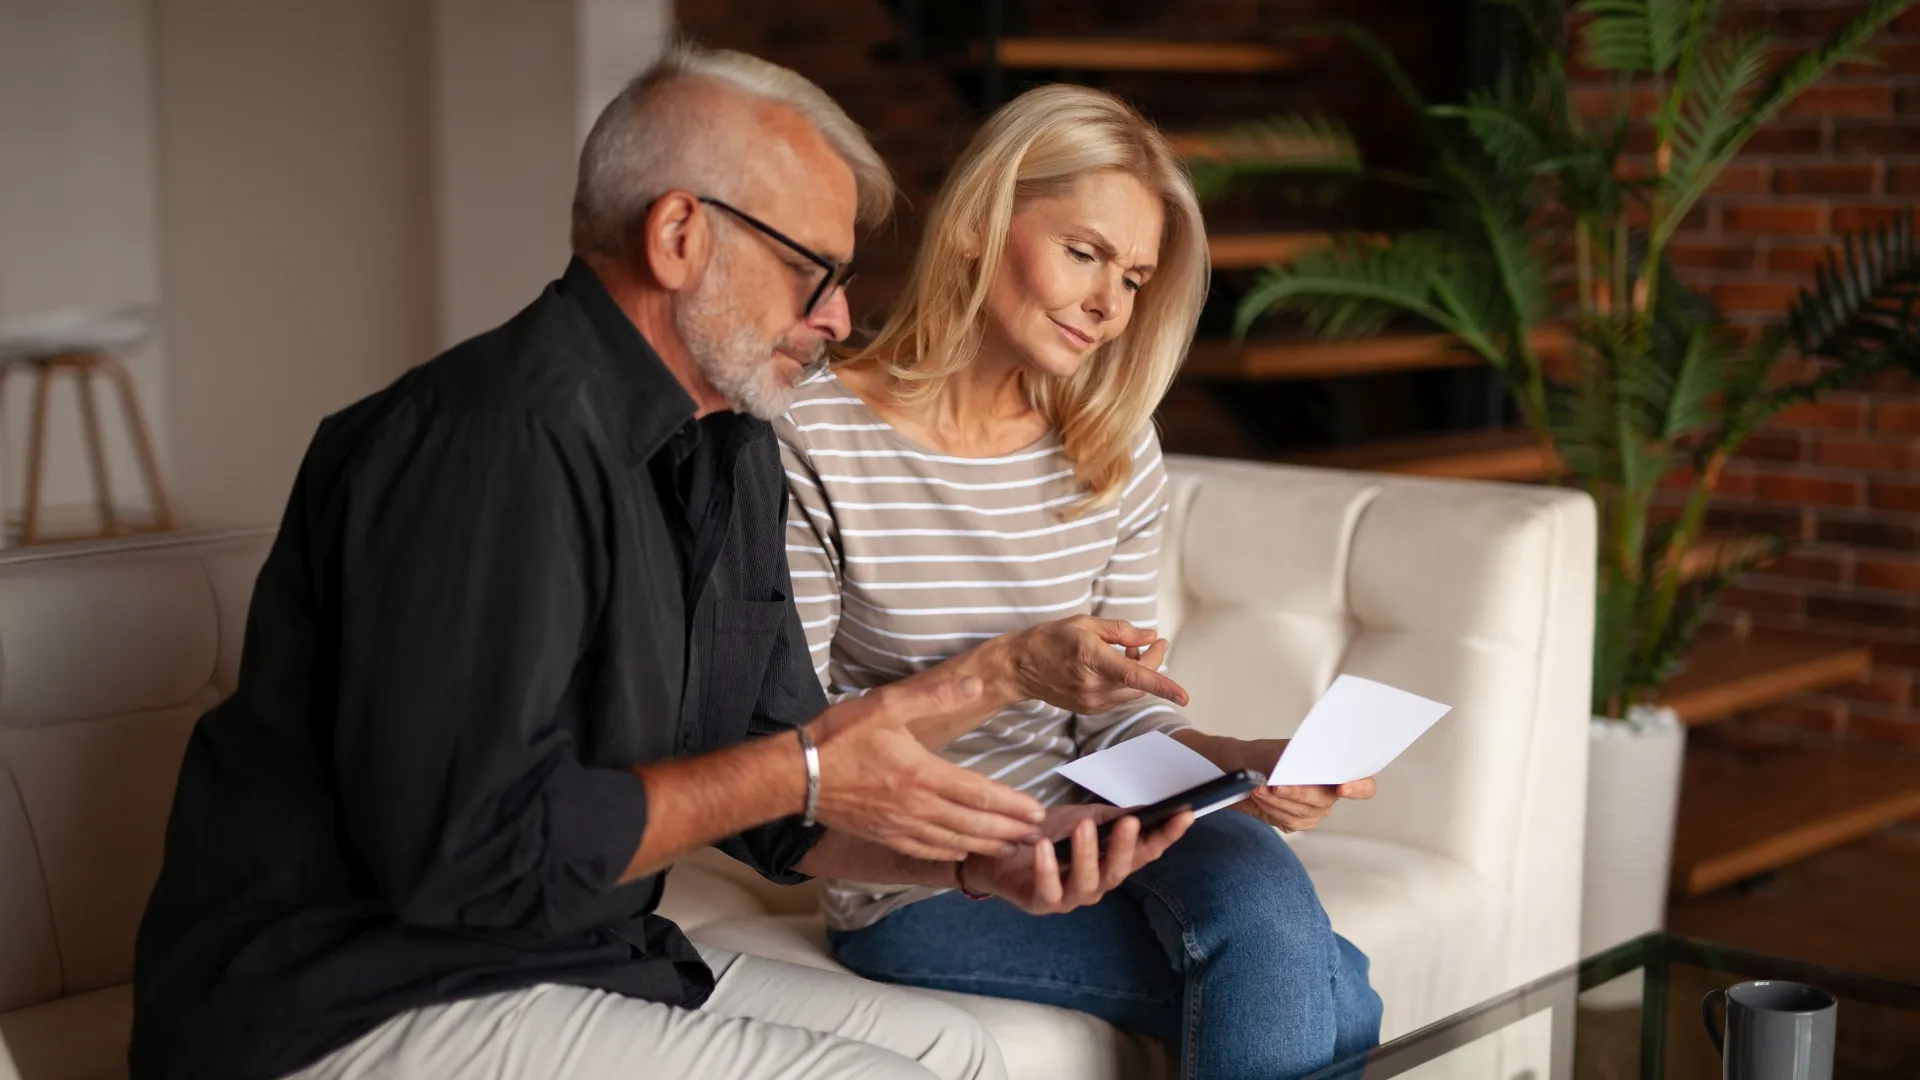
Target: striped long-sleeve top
{"points": [[902, 558]]}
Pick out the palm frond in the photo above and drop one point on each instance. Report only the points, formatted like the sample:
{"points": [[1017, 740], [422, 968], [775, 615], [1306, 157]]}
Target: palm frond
{"points": [[1659, 659], [1714, 91], [1278, 145], [1487, 216], [1861, 309], [1352, 287], [1634, 36], [1501, 120], [1846, 43], [1696, 385]]}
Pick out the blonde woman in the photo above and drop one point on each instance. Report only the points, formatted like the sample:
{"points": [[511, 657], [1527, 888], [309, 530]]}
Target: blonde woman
{"points": [[981, 486]]}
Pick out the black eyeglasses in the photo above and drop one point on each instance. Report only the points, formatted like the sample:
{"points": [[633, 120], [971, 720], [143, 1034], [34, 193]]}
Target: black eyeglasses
{"points": [[839, 274]]}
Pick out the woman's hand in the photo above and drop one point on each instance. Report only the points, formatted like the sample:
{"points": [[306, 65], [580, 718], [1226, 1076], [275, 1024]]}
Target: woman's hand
{"points": [[1032, 879], [1072, 664], [1299, 808], [1289, 809]]}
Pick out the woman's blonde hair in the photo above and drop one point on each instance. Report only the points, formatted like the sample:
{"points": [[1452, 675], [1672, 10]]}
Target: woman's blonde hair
{"points": [[1038, 145]]}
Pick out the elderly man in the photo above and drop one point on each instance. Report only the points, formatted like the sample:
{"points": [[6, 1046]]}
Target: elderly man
{"points": [[525, 638]]}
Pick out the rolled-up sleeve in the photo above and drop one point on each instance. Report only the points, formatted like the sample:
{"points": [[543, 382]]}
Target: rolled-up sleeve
{"points": [[470, 566]]}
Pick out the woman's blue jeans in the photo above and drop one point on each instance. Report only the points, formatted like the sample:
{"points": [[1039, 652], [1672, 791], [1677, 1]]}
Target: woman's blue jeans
{"points": [[1220, 948]]}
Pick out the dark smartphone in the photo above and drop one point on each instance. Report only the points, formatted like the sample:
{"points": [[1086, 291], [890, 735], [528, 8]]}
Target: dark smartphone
{"points": [[1216, 792]]}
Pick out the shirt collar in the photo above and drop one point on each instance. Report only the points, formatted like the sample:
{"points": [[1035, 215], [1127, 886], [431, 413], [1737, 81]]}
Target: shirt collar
{"points": [[655, 403]]}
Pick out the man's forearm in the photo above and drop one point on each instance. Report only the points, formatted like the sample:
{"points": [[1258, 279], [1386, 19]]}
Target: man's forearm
{"points": [[693, 802], [839, 855]]}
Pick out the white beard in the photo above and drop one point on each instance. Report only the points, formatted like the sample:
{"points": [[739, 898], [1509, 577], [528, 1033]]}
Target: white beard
{"points": [[722, 342]]}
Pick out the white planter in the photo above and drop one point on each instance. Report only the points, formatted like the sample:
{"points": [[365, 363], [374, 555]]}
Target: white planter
{"points": [[1633, 796]]}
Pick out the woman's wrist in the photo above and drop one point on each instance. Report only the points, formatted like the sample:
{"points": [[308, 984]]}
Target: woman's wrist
{"points": [[1229, 754], [992, 661]]}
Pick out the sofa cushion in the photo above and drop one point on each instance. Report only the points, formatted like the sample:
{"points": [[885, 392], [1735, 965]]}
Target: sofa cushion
{"points": [[29, 961], [1431, 928], [99, 855], [115, 634], [696, 896], [83, 1037]]}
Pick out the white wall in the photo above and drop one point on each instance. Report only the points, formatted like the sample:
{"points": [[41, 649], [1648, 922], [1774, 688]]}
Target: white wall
{"points": [[614, 39], [295, 177], [78, 213], [503, 114], [322, 193], [517, 84]]}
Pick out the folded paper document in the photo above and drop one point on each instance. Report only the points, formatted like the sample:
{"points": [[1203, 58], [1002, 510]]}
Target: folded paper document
{"points": [[1355, 730]]}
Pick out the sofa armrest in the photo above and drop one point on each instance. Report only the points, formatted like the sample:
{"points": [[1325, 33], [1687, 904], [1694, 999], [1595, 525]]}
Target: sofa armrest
{"points": [[1479, 595]]}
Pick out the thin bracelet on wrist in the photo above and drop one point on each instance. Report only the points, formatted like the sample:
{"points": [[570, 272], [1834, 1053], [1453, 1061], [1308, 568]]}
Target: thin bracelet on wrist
{"points": [[960, 880], [811, 755]]}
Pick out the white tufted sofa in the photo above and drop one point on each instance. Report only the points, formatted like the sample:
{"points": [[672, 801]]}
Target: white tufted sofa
{"points": [[1460, 880]]}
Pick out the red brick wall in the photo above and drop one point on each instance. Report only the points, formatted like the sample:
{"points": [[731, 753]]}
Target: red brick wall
{"points": [[1841, 475]]}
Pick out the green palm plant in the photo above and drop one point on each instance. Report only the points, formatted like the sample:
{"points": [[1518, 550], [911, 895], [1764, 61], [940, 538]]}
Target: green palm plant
{"points": [[1657, 386]]}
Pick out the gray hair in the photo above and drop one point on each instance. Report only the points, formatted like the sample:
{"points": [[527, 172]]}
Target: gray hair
{"points": [[642, 146]]}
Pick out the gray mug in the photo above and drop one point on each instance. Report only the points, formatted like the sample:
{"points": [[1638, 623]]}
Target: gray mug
{"points": [[1775, 1031]]}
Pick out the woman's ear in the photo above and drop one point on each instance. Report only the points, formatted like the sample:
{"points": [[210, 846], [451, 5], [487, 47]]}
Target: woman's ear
{"points": [[970, 243]]}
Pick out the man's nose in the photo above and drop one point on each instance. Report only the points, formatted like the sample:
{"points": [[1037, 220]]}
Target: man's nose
{"points": [[832, 318]]}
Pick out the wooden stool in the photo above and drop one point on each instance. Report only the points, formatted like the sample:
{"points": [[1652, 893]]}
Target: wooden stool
{"points": [[83, 346]]}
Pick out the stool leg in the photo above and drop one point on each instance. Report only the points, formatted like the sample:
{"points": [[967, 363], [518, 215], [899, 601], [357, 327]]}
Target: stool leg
{"points": [[142, 443], [36, 454], [96, 451]]}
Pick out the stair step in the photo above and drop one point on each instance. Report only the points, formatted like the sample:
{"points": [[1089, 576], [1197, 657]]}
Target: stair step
{"points": [[1797, 802], [1727, 675], [1140, 54], [1314, 358], [1251, 251], [1459, 455], [1239, 145]]}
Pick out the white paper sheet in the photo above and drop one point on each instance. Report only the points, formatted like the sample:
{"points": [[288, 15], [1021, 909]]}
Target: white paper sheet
{"points": [[1356, 729], [1142, 770]]}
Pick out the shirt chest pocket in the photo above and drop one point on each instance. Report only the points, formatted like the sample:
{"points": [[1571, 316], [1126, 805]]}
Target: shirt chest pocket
{"points": [[745, 633]]}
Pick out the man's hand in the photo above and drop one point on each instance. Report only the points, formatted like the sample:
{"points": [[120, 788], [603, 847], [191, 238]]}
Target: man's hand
{"points": [[1290, 809], [878, 782], [1071, 663], [1032, 880]]}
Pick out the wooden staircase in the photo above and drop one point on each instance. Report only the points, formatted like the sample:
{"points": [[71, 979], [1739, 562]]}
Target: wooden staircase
{"points": [[1136, 54], [1469, 455]]}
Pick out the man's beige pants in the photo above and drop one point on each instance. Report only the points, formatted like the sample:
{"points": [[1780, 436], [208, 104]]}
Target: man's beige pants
{"points": [[767, 1020]]}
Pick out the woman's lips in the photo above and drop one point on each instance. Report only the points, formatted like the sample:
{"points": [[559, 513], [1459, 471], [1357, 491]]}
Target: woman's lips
{"points": [[1081, 342]]}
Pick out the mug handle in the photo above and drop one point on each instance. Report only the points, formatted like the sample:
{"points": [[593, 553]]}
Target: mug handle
{"points": [[1708, 1018]]}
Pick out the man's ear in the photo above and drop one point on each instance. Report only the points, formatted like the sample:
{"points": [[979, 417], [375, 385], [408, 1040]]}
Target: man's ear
{"points": [[676, 240]]}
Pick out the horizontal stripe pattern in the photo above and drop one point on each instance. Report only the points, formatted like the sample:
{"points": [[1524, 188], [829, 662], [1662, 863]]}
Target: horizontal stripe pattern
{"points": [[903, 558]]}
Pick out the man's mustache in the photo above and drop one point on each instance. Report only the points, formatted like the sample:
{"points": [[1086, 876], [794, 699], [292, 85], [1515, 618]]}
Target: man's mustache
{"points": [[812, 361]]}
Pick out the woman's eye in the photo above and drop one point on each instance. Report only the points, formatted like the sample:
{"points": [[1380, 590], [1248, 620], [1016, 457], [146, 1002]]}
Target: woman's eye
{"points": [[1079, 255], [1132, 285]]}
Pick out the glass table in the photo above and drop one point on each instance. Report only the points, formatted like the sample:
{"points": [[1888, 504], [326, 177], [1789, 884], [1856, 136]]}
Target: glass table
{"points": [[1633, 1013]]}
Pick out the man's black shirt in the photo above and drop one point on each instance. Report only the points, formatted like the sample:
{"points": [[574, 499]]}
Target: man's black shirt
{"points": [[500, 583]]}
